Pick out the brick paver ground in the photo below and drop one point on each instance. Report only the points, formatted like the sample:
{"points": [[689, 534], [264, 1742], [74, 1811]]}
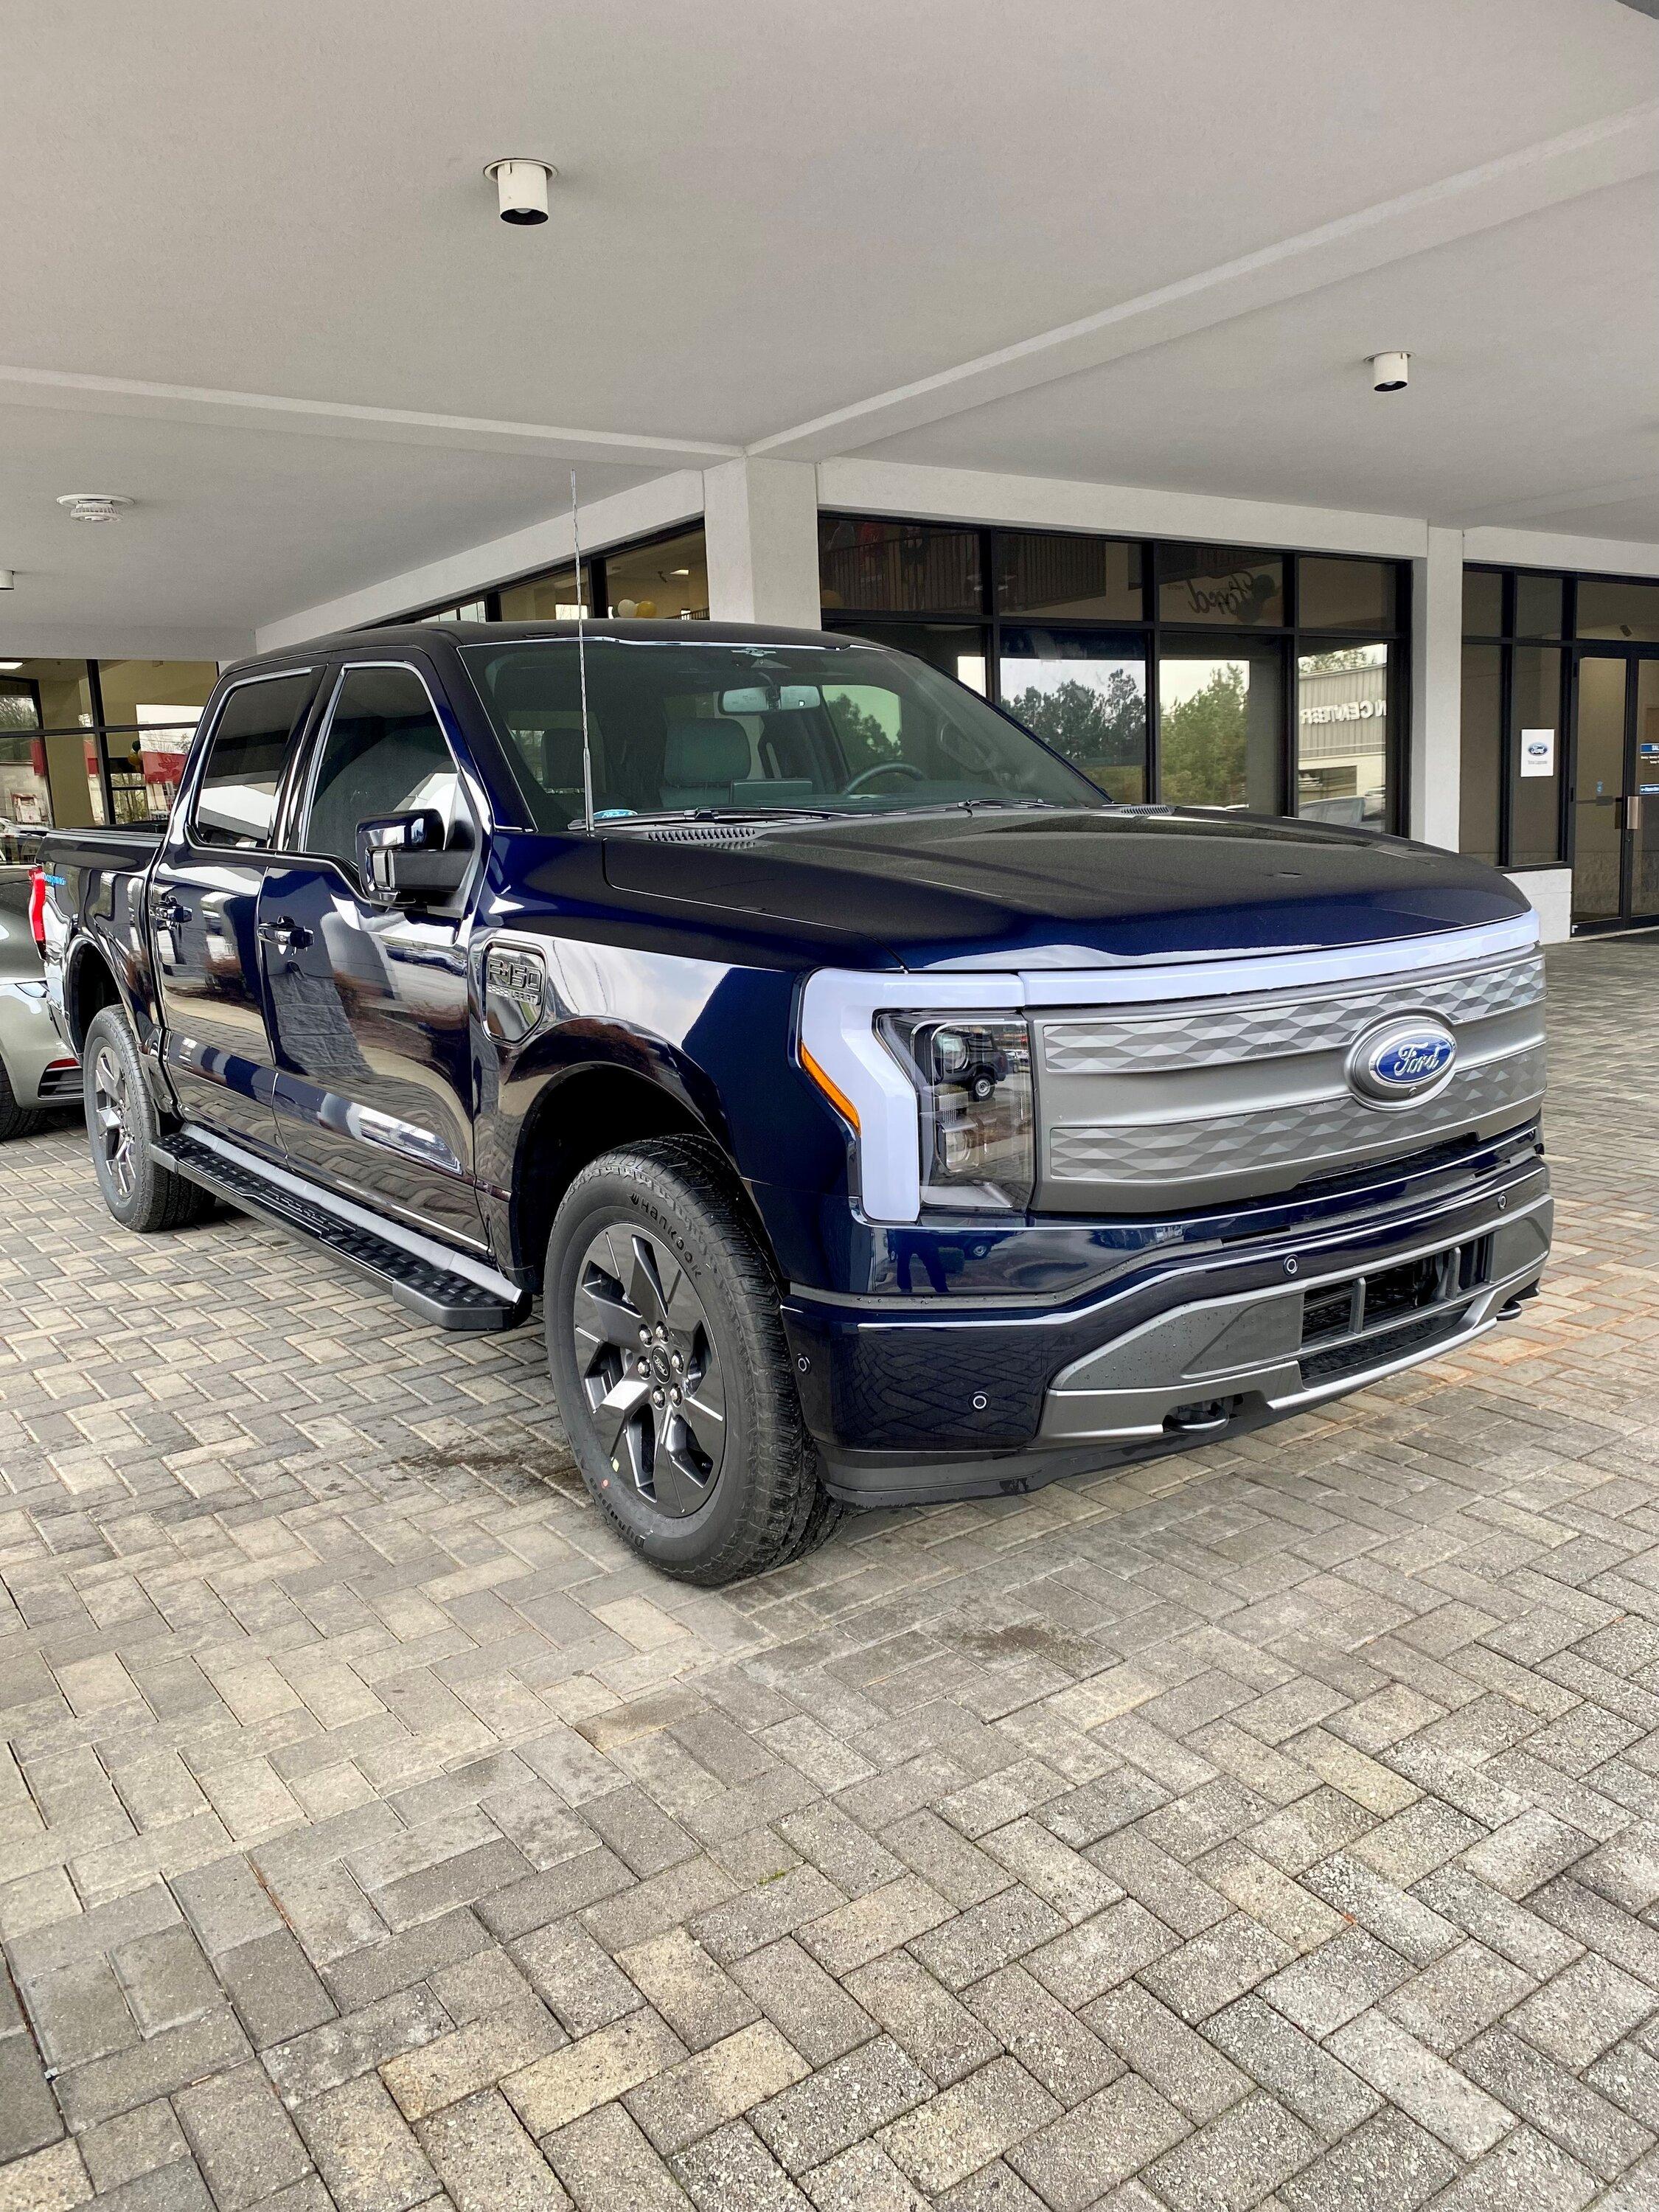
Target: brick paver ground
{"points": [[1277, 1826]]}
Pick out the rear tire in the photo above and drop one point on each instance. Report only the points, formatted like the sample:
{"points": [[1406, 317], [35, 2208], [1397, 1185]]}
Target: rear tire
{"points": [[17, 1120], [674, 1379], [122, 1126]]}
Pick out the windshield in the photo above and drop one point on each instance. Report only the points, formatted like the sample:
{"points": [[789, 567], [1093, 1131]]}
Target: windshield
{"points": [[681, 727]]}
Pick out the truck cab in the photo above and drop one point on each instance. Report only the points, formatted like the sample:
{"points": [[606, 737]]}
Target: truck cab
{"points": [[879, 1112]]}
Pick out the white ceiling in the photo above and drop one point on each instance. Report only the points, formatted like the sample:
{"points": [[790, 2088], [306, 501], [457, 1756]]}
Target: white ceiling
{"points": [[1182, 229]]}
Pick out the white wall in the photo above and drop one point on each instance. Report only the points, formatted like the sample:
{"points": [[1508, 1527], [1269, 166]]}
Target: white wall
{"points": [[762, 524], [1550, 890], [903, 488], [1437, 667]]}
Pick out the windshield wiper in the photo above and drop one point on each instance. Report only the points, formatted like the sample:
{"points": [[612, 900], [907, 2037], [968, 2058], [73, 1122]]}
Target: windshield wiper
{"points": [[626, 820], [972, 805]]}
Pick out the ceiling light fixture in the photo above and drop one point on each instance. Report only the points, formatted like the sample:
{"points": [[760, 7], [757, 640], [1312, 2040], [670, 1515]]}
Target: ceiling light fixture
{"points": [[8, 579], [1390, 371], [9, 667], [521, 188], [93, 506]]}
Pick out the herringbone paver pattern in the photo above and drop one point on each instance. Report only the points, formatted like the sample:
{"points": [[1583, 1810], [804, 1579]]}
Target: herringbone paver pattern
{"points": [[1278, 1825]]}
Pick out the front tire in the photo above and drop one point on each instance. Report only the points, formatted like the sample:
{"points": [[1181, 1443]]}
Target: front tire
{"points": [[668, 1362], [122, 1126]]}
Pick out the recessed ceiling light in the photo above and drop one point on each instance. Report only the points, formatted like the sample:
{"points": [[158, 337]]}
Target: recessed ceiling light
{"points": [[677, 572], [521, 188], [93, 506], [9, 667]]}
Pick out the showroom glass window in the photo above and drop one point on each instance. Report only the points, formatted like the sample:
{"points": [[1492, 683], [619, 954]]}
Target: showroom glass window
{"points": [[84, 743], [663, 578], [1511, 808], [1203, 675]]}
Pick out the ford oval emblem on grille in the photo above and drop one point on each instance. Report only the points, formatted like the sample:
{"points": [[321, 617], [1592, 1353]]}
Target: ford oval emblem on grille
{"points": [[1399, 1063]]}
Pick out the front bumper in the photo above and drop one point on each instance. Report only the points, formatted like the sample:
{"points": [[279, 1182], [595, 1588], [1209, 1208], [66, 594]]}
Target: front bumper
{"points": [[38, 1065], [920, 1408]]}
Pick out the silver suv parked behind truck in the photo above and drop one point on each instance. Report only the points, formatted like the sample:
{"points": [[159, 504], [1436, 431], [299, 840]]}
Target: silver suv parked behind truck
{"points": [[36, 1069]]}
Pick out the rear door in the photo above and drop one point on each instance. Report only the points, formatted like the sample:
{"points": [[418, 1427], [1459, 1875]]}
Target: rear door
{"points": [[203, 897], [369, 1003]]}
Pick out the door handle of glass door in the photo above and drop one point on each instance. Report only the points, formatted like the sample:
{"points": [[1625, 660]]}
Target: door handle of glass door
{"points": [[285, 936]]}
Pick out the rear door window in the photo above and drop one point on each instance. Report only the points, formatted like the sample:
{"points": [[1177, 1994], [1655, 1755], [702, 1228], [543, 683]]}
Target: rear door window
{"points": [[236, 796]]}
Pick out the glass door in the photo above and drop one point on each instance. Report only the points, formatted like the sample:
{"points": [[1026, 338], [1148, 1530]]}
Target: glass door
{"points": [[1616, 848]]}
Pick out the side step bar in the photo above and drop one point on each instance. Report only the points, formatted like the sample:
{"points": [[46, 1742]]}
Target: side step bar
{"points": [[443, 1286]]}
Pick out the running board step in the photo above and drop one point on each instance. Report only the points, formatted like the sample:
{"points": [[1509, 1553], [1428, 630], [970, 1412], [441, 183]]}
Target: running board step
{"points": [[451, 1298]]}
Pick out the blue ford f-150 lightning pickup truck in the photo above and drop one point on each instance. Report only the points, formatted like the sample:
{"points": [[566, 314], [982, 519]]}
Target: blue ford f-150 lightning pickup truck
{"points": [[881, 1113]]}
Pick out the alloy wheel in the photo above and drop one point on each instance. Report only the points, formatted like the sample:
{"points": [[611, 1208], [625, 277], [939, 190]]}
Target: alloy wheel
{"points": [[650, 1369], [111, 1116]]}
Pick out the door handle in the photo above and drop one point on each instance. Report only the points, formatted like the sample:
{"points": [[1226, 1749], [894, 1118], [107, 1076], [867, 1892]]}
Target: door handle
{"points": [[285, 936], [1633, 811]]}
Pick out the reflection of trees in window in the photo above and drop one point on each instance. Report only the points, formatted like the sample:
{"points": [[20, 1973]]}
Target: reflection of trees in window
{"points": [[865, 742], [1100, 728], [1340, 657], [1204, 743], [18, 710]]}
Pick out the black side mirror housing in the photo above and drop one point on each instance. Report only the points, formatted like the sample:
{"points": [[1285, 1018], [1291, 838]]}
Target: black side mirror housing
{"points": [[405, 859]]}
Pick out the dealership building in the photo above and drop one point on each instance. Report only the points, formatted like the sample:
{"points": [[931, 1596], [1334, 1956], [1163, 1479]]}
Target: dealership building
{"points": [[1058, 365]]}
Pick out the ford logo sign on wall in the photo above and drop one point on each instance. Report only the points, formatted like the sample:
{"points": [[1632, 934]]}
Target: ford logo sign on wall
{"points": [[1399, 1063]]}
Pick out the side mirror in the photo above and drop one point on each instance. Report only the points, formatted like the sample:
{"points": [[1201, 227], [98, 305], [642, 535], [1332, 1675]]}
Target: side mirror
{"points": [[404, 859]]}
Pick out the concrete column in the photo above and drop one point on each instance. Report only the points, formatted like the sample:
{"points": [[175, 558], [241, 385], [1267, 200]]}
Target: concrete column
{"points": [[761, 521], [1437, 688]]}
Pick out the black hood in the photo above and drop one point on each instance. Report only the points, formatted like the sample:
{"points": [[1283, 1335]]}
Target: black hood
{"points": [[1072, 888]]}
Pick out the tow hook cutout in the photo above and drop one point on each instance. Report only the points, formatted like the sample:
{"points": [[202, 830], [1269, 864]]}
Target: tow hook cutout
{"points": [[1200, 1415]]}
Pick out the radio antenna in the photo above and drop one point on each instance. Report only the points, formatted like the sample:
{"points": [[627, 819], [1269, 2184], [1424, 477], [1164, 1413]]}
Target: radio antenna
{"points": [[581, 664]]}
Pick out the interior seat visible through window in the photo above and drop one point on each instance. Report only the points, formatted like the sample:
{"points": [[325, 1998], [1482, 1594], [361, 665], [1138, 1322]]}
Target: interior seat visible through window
{"points": [[384, 752]]}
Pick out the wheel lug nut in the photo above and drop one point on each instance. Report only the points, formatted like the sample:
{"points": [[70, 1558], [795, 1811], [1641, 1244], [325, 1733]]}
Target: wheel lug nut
{"points": [[645, 1336], [656, 1397]]}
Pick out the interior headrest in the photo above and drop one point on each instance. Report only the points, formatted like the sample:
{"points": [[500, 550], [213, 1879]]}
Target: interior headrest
{"points": [[525, 693], [712, 752]]}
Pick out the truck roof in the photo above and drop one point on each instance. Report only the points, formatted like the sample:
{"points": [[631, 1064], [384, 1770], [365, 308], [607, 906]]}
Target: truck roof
{"points": [[418, 634]]}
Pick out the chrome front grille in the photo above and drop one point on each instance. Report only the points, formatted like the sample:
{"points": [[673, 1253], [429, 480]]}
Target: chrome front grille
{"points": [[1232, 1098]]}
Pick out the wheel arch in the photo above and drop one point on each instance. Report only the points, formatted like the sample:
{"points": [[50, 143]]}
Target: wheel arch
{"points": [[590, 1107], [90, 984]]}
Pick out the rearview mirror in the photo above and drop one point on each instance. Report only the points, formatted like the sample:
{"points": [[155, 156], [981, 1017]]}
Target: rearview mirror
{"points": [[759, 699], [404, 859]]}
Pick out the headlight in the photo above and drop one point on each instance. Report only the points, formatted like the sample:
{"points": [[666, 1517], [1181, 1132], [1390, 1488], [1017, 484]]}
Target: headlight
{"points": [[972, 1079]]}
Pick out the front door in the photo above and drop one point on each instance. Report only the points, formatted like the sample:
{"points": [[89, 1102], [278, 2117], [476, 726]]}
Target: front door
{"points": [[203, 905], [369, 1003], [1615, 831]]}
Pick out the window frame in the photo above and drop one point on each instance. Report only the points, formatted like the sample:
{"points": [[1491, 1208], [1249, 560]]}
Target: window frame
{"points": [[1508, 640], [303, 771], [189, 830], [1290, 639]]}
